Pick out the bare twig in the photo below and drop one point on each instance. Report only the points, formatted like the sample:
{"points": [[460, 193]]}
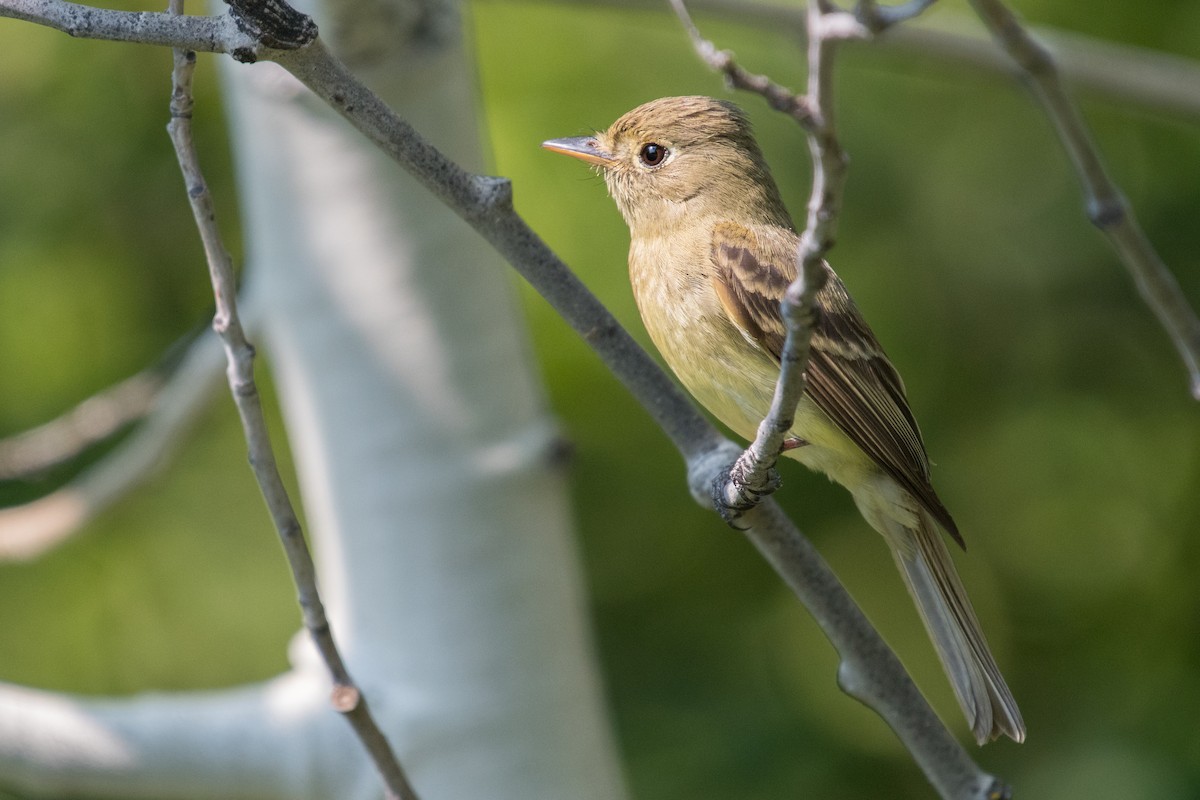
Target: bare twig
{"points": [[1106, 207], [799, 308], [778, 97], [752, 475], [347, 698]]}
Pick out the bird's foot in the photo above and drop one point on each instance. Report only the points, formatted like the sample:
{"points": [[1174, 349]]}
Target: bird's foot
{"points": [[737, 489]]}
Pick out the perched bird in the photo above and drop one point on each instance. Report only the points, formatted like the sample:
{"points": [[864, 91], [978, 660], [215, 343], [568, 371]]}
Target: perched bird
{"points": [[712, 251]]}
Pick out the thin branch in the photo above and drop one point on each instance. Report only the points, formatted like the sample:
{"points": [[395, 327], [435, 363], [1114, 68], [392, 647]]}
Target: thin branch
{"points": [[1106, 206], [752, 476], [869, 671], [799, 306], [30, 529], [347, 698], [777, 96]]}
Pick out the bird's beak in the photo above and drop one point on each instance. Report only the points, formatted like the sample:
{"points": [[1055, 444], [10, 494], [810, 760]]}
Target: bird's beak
{"points": [[585, 148]]}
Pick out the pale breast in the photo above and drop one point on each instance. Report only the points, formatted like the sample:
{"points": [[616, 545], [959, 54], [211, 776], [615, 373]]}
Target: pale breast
{"points": [[727, 374]]}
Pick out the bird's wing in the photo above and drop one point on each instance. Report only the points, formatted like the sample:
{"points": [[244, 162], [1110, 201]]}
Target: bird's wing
{"points": [[849, 376]]}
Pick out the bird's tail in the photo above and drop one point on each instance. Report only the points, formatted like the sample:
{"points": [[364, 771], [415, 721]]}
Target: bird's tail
{"points": [[933, 582]]}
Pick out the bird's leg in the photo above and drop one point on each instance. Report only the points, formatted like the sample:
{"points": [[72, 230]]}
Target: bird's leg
{"points": [[792, 443]]}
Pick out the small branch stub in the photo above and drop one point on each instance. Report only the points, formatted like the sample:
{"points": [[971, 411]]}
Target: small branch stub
{"points": [[344, 698]]}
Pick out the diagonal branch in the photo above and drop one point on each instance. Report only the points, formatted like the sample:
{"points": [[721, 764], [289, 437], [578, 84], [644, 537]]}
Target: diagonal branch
{"points": [[1106, 206], [346, 697], [871, 672]]}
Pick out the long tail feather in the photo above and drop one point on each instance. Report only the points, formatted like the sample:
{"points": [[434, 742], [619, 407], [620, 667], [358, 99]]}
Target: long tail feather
{"points": [[933, 582]]}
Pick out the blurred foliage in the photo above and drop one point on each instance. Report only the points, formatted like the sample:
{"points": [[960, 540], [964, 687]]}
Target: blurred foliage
{"points": [[1067, 446]]}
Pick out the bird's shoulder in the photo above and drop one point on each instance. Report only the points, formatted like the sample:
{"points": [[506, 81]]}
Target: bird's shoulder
{"points": [[752, 268]]}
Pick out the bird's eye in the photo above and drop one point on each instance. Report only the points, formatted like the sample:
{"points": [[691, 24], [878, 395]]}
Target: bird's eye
{"points": [[653, 154]]}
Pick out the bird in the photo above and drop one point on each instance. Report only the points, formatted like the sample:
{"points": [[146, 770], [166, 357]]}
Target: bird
{"points": [[712, 251]]}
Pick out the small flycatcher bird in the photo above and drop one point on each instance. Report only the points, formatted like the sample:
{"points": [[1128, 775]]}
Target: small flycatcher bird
{"points": [[712, 251]]}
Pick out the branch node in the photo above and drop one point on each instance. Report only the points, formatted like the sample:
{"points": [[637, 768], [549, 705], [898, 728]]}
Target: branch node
{"points": [[244, 55], [849, 680], [273, 23], [1107, 212], [495, 194], [345, 698], [842, 25]]}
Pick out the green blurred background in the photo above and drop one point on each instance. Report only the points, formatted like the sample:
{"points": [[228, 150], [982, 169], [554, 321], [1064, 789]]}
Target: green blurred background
{"points": [[1056, 410]]}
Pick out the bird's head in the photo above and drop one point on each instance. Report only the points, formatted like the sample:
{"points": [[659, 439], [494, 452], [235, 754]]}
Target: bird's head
{"points": [[678, 159]]}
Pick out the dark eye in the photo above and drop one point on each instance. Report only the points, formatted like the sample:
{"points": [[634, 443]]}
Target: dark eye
{"points": [[653, 154]]}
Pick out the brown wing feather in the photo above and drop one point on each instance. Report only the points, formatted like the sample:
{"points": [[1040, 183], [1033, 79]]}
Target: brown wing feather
{"points": [[849, 376]]}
